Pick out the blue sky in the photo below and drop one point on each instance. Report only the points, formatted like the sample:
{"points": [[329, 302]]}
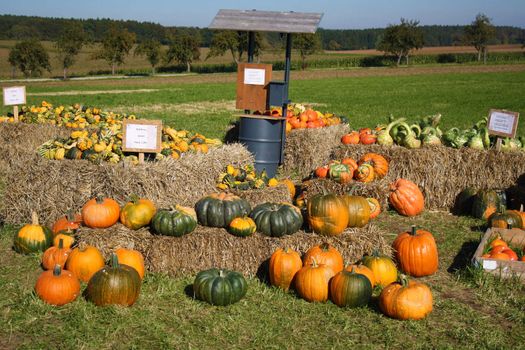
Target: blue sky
{"points": [[340, 14]]}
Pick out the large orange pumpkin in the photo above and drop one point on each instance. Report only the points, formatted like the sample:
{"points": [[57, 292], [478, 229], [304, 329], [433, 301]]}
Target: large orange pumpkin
{"points": [[327, 214], [284, 264], [55, 256], [378, 162], [416, 252], [133, 258], [406, 197], [324, 254], [57, 286], [406, 300], [84, 261], [100, 212], [311, 282]]}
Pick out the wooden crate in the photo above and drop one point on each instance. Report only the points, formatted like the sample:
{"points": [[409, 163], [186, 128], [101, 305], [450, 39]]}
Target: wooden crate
{"points": [[503, 268]]}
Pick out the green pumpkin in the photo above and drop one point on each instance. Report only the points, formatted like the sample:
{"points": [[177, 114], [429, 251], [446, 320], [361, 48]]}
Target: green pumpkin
{"points": [[485, 203], [505, 220], [73, 153], [219, 209], [350, 289], [242, 227], [464, 201], [89, 154], [115, 285], [219, 287], [33, 238], [277, 219], [176, 222]]}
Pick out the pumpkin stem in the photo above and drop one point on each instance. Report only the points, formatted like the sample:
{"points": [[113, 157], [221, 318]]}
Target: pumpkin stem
{"points": [[60, 243], [134, 198], [34, 218], [57, 270], [403, 279], [325, 246], [114, 260], [221, 273], [99, 199], [70, 215], [314, 263], [413, 232], [521, 207]]}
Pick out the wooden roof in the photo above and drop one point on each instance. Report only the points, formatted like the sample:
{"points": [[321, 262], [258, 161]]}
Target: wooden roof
{"points": [[266, 21]]}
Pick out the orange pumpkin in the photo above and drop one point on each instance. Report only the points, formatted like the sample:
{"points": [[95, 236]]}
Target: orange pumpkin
{"points": [[327, 214], [100, 212], [367, 138], [66, 237], [84, 261], [291, 187], [375, 207], [325, 254], [351, 163], [363, 270], [384, 269], [322, 171], [364, 173], [57, 286], [351, 138], [416, 252], [70, 221], [311, 282], [378, 162], [284, 264], [55, 256], [131, 258], [406, 197], [358, 210], [406, 300]]}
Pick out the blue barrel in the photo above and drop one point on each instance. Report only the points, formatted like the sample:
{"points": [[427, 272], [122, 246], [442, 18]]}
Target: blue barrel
{"points": [[262, 135]]}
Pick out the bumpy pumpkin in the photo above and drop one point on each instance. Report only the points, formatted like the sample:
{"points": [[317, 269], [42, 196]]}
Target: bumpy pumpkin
{"points": [[340, 173], [219, 287], [350, 289], [115, 285], [485, 204], [137, 213], [84, 261], [311, 282], [284, 264], [507, 219], [324, 254], [57, 286], [219, 209], [277, 219], [176, 222], [33, 237], [364, 173], [69, 222], [378, 162], [133, 258], [363, 270], [358, 210], [406, 300], [327, 214], [416, 252], [100, 212], [384, 269], [55, 256], [242, 227], [406, 198], [375, 207]]}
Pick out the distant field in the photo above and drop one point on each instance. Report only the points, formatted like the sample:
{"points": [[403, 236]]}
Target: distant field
{"points": [[438, 50]]}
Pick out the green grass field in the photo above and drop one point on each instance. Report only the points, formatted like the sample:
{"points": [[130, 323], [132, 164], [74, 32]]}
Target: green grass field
{"points": [[471, 310]]}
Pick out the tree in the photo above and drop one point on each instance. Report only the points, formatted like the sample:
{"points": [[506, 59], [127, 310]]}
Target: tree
{"points": [[115, 46], [479, 33], [184, 49], [234, 42], [306, 45], [30, 57], [69, 44], [333, 45], [150, 48], [400, 39]]}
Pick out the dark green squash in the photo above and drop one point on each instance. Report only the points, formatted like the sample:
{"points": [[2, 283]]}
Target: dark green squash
{"points": [[485, 203], [219, 287], [219, 209], [277, 219], [73, 153], [115, 285], [176, 222], [505, 220], [350, 289], [464, 201]]}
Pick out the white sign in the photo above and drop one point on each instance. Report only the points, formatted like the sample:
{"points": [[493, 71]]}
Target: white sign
{"points": [[490, 265], [254, 76], [142, 137], [15, 95], [503, 123]]}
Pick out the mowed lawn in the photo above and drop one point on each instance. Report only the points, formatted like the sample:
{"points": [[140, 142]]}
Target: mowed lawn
{"points": [[471, 309]]}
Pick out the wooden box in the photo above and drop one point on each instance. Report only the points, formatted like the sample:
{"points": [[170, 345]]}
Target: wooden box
{"points": [[503, 268]]}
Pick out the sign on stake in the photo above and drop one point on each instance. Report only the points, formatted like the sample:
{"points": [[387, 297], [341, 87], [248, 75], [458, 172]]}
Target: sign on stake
{"points": [[14, 96], [142, 136], [502, 123]]}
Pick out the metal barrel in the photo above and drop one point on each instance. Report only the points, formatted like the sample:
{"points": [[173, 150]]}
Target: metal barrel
{"points": [[262, 137]]}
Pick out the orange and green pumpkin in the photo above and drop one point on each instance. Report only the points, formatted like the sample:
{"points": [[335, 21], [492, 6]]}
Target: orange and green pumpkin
{"points": [[509, 218], [485, 203], [242, 227], [327, 214], [33, 237], [340, 173], [175, 222], [358, 210], [137, 213], [350, 289]]}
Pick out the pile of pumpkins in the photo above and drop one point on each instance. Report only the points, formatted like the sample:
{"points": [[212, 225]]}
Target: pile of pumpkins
{"points": [[499, 249], [320, 275], [370, 167], [244, 178]]}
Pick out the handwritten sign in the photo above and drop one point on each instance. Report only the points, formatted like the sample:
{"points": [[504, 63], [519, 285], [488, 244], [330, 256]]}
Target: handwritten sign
{"points": [[254, 76], [503, 123], [14, 95], [490, 264], [142, 136]]}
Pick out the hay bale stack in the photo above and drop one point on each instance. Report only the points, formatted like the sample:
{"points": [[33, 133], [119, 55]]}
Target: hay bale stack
{"points": [[211, 247], [277, 194], [307, 149], [53, 187], [443, 172], [29, 136]]}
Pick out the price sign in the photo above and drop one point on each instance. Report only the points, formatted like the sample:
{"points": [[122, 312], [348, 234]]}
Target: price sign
{"points": [[143, 136], [14, 95], [503, 123], [254, 76]]}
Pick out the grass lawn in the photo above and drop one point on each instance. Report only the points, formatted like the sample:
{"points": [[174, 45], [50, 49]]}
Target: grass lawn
{"points": [[471, 309]]}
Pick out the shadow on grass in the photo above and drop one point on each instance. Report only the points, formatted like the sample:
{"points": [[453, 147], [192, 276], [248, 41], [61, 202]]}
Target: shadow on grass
{"points": [[188, 290], [464, 256], [262, 272]]}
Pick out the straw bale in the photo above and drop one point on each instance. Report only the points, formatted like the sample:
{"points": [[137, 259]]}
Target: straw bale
{"points": [[307, 149], [30, 136], [53, 187], [211, 247], [277, 194]]}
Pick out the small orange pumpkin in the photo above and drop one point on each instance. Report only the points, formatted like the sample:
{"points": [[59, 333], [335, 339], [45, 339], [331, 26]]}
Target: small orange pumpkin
{"points": [[351, 138], [384, 269], [70, 221], [406, 300], [66, 237], [406, 198], [284, 264], [133, 258], [100, 212], [311, 282], [55, 256], [325, 254], [57, 286], [364, 173], [84, 261]]}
